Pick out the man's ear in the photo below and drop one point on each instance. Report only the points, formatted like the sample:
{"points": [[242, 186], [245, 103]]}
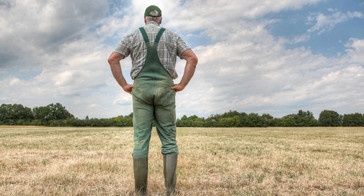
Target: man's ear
{"points": [[145, 20], [161, 21]]}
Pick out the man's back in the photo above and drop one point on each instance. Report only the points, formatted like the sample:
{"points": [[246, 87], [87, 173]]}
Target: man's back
{"points": [[170, 46]]}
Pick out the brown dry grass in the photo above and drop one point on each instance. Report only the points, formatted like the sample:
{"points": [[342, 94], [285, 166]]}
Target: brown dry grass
{"points": [[212, 161]]}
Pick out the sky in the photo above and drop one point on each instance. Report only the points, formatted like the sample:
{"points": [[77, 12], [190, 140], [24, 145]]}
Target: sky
{"points": [[267, 56]]}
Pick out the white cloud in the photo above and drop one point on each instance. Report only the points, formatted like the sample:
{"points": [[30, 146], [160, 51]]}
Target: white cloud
{"points": [[32, 29], [325, 23], [213, 15], [356, 50], [77, 76]]}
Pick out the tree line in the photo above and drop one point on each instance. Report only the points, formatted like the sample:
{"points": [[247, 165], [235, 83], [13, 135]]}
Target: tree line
{"points": [[327, 118], [54, 115], [57, 115]]}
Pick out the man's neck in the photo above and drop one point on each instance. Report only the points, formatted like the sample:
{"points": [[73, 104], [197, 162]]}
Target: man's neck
{"points": [[152, 22]]}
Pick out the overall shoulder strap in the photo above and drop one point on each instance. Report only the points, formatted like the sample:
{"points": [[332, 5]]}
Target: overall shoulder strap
{"points": [[159, 35], [144, 34]]}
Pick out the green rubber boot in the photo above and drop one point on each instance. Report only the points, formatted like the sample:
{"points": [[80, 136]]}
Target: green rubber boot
{"points": [[170, 177], [140, 175]]}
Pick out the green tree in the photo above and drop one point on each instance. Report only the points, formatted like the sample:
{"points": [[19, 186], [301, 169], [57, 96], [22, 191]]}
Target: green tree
{"points": [[42, 113], [329, 118], [12, 113], [230, 114], [59, 112], [244, 120], [289, 120], [254, 120], [305, 119], [192, 121], [182, 122], [229, 121], [353, 120], [269, 120], [301, 119], [122, 121], [51, 112]]}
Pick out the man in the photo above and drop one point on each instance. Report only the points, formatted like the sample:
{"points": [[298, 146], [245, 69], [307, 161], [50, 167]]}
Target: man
{"points": [[153, 51]]}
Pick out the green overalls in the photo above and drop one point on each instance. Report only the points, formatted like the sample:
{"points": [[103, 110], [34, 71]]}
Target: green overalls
{"points": [[153, 99]]}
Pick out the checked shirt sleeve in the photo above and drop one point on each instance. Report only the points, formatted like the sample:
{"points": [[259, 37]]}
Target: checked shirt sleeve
{"points": [[124, 46], [181, 46]]}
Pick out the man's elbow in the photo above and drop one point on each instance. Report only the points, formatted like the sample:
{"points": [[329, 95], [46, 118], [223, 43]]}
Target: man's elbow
{"points": [[115, 58], [111, 60], [193, 61]]}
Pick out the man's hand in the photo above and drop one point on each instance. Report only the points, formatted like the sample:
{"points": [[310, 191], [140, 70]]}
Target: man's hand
{"points": [[128, 88], [177, 87]]}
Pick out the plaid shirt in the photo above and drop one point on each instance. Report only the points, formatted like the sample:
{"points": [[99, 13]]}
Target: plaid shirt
{"points": [[169, 47]]}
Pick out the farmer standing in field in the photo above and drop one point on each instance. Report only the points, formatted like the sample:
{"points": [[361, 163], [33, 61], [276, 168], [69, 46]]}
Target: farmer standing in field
{"points": [[153, 51]]}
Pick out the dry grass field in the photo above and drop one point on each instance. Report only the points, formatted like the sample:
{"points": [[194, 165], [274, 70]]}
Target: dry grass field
{"points": [[212, 161]]}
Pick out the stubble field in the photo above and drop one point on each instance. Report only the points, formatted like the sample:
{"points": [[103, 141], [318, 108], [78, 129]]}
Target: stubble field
{"points": [[212, 161]]}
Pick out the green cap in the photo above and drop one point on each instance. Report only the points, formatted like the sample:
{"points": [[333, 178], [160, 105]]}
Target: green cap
{"points": [[152, 8]]}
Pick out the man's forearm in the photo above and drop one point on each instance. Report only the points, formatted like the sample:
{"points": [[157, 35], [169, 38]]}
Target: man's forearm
{"points": [[117, 73], [114, 61], [188, 73]]}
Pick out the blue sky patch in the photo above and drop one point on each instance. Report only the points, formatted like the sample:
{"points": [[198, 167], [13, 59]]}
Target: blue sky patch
{"points": [[324, 28]]}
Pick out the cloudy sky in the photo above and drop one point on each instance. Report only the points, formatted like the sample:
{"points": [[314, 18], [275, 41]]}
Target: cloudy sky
{"points": [[267, 56]]}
